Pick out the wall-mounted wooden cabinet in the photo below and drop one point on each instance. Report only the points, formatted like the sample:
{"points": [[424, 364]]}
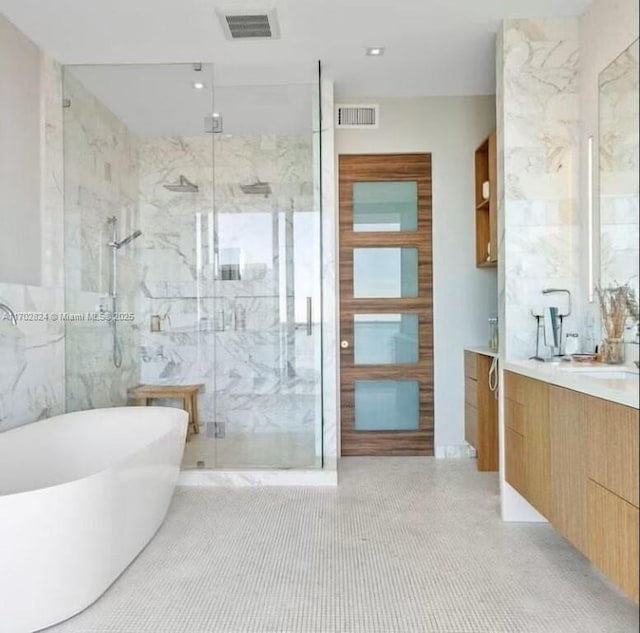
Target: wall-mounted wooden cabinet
{"points": [[527, 420], [575, 458], [481, 410], [486, 206], [567, 409]]}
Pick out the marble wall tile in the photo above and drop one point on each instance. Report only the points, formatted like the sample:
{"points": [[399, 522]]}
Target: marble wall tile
{"points": [[538, 128], [245, 340], [330, 291], [101, 180]]}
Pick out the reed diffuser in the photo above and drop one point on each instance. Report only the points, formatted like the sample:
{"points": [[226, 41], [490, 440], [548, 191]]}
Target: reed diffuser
{"points": [[617, 304]]}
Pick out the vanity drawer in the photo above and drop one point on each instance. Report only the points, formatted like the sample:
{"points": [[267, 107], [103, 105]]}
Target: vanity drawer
{"points": [[612, 537], [471, 425], [515, 387], [515, 465], [612, 431], [471, 391], [514, 416], [471, 365]]}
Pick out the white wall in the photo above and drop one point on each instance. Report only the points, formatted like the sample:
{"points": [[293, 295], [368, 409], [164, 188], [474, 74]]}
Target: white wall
{"points": [[20, 131], [449, 128], [32, 355]]}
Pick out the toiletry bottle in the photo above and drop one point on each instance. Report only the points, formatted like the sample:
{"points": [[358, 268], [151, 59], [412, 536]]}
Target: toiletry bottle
{"points": [[572, 343]]}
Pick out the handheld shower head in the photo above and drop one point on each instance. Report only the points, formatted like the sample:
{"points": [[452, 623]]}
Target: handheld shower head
{"points": [[126, 240], [131, 237]]}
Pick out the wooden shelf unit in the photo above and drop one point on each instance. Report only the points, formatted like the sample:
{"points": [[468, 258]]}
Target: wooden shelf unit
{"points": [[486, 209]]}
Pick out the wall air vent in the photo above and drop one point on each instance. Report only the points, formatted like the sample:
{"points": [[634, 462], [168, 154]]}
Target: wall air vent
{"points": [[363, 116], [249, 25]]}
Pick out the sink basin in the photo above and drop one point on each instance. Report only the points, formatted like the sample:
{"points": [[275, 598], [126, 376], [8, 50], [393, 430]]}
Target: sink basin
{"points": [[603, 374], [613, 375]]}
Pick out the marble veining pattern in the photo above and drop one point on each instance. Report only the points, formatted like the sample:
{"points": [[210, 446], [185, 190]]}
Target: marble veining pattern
{"points": [[330, 290], [242, 338], [538, 109], [101, 180]]}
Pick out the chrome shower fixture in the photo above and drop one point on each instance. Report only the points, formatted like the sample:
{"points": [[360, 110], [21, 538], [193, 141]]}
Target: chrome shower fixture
{"points": [[259, 188], [116, 245], [184, 185], [125, 241]]}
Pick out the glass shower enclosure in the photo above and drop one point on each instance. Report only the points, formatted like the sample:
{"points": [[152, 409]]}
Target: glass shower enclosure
{"points": [[221, 286]]}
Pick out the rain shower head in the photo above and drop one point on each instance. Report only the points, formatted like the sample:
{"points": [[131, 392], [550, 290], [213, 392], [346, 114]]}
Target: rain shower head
{"points": [[257, 188], [184, 185]]}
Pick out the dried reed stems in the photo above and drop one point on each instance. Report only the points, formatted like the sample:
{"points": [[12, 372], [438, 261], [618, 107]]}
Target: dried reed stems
{"points": [[617, 303]]}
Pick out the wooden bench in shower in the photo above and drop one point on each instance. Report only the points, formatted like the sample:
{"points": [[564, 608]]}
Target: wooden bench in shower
{"points": [[187, 394]]}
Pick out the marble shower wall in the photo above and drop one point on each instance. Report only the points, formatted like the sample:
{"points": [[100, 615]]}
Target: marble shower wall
{"points": [[101, 180], [32, 355], [538, 126], [245, 339], [176, 276], [330, 290]]}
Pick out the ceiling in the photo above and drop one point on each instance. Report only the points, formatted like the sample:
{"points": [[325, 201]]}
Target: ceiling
{"points": [[159, 100], [433, 47]]}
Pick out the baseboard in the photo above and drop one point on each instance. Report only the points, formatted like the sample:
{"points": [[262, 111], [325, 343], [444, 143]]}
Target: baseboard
{"points": [[455, 451]]}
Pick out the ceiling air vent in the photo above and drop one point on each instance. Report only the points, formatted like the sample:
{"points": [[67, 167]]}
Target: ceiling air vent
{"points": [[357, 116], [250, 25]]}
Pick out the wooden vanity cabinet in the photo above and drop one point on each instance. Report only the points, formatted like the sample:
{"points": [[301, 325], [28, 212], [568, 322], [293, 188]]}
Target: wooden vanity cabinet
{"points": [[480, 410], [528, 468], [612, 431], [575, 459], [568, 415], [612, 492]]}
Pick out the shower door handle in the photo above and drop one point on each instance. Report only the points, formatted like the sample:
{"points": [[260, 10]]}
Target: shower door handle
{"points": [[309, 316]]}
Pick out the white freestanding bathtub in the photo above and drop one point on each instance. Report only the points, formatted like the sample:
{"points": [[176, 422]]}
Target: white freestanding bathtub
{"points": [[81, 494]]}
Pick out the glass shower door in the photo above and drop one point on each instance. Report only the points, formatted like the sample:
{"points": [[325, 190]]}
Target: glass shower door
{"points": [[267, 278]]}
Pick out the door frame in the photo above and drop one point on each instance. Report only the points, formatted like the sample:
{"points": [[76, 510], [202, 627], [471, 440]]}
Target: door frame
{"points": [[385, 167]]}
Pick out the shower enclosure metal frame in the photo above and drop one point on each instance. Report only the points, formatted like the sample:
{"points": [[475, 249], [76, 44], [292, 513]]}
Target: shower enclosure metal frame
{"points": [[115, 246]]}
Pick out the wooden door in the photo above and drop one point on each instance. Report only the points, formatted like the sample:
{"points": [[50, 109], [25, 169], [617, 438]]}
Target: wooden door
{"points": [[386, 310]]}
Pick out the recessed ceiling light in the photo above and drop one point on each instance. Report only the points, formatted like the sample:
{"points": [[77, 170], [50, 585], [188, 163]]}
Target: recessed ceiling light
{"points": [[375, 51], [197, 85]]}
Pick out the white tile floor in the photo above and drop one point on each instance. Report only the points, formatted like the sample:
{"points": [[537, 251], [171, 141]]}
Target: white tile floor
{"points": [[403, 545]]}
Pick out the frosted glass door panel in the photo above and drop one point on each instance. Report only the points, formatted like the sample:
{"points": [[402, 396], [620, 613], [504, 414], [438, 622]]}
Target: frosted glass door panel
{"points": [[381, 273], [385, 339], [387, 405], [385, 206]]}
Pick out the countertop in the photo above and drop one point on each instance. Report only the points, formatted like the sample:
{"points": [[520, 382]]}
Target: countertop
{"points": [[575, 376], [479, 349]]}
